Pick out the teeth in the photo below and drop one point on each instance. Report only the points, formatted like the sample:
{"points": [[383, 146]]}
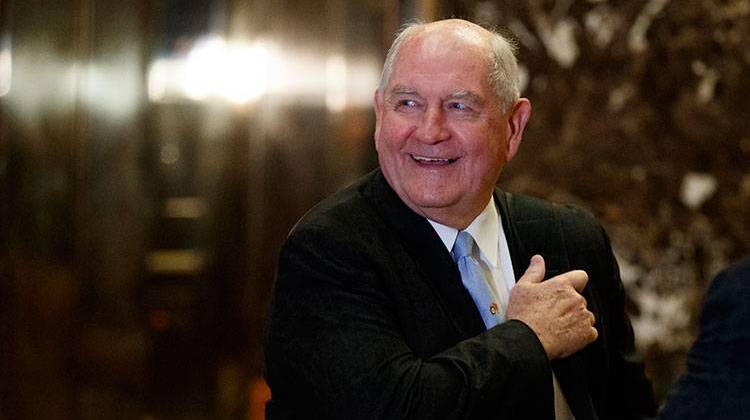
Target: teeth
{"points": [[431, 160]]}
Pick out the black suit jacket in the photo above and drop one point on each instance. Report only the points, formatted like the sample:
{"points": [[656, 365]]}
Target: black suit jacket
{"points": [[370, 319], [717, 383]]}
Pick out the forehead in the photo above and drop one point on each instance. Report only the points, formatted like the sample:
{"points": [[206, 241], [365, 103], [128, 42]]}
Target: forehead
{"points": [[451, 60]]}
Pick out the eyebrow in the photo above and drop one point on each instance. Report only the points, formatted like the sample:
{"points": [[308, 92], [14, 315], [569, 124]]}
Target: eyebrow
{"points": [[462, 95], [403, 90], [466, 95]]}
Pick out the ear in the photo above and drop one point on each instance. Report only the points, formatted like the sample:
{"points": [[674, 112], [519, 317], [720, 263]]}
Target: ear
{"points": [[378, 116], [378, 99], [518, 117]]}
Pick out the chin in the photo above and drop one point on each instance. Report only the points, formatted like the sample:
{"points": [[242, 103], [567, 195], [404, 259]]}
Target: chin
{"points": [[433, 201]]}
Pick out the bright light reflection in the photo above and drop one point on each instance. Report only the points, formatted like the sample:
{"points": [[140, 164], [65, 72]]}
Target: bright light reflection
{"points": [[160, 84], [6, 66], [110, 88], [336, 83], [248, 73], [238, 72], [202, 68], [242, 72]]}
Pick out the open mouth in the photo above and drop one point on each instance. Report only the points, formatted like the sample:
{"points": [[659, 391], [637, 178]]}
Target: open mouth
{"points": [[433, 161]]}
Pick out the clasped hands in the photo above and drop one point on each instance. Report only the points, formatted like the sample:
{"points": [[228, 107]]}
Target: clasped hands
{"points": [[554, 309]]}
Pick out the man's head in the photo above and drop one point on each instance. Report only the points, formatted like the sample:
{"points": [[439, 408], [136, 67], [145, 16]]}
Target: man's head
{"points": [[501, 60], [449, 117]]}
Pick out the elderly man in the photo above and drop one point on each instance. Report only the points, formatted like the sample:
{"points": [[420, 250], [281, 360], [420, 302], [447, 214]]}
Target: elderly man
{"points": [[417, 292]]}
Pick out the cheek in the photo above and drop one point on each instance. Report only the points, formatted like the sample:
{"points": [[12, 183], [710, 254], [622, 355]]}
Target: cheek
{"points": [[490, 157], [390, 137], [382, 144], [383, 138], [495, 148]]}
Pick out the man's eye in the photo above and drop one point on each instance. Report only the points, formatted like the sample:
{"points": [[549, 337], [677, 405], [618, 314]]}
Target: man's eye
{"points": [[459, 106], [405, 105]]}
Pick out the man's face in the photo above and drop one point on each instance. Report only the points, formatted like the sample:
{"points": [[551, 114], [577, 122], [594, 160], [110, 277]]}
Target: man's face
{"points": [[441, 135]]}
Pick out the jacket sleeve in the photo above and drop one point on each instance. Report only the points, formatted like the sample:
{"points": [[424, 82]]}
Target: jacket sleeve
{"points": [[335, 349], [625, 392], [632, 395]]}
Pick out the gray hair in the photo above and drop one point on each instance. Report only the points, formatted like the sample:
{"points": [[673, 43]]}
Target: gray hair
{"points": [[503, 67]]}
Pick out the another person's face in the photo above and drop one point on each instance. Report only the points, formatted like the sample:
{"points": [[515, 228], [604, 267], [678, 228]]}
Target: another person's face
{"points": [[441, 135]]}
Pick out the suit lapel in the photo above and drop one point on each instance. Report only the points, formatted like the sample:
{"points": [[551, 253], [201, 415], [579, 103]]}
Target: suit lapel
{"points": [[535, 229], [424, 247], [531, 230]]}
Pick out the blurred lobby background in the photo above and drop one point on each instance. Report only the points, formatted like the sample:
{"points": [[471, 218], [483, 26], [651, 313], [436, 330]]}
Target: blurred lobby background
{"points": [[154, 154]]}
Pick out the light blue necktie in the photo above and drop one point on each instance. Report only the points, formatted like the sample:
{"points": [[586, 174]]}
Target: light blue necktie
{"points": [[473, 278]]}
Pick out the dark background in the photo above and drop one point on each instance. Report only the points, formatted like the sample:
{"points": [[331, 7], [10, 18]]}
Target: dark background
{"points": [[140, 225]]}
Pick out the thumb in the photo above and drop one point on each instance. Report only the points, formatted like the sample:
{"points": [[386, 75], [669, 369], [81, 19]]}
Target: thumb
{"points": [[535, 272]]}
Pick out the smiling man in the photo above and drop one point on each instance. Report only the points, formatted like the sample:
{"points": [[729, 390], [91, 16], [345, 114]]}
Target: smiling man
{"points": [[443, 133], [423, 291]]}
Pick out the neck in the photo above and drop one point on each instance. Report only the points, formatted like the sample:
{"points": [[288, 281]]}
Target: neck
{"points": [[459, 220]]}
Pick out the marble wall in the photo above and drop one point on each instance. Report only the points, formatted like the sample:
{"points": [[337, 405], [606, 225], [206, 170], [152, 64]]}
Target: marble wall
{"points": [[640, 115]]}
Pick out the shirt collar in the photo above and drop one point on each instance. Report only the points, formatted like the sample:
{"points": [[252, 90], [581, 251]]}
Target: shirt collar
{"points": [[485, 230]]}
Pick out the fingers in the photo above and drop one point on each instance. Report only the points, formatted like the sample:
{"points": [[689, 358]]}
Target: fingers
{"points": [[554, 309], [576, 278], [535, 272], [593, 333]]}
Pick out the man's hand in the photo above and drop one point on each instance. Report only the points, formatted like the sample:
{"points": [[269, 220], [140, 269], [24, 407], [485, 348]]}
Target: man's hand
{"points": [[553, 309]]}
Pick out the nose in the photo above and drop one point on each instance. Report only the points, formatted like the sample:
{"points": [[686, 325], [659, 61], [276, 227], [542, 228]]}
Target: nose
{"points": [[432, 128]]}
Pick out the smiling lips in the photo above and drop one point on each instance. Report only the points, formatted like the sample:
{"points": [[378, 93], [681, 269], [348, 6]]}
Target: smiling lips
{"points": [[433, 161]]}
